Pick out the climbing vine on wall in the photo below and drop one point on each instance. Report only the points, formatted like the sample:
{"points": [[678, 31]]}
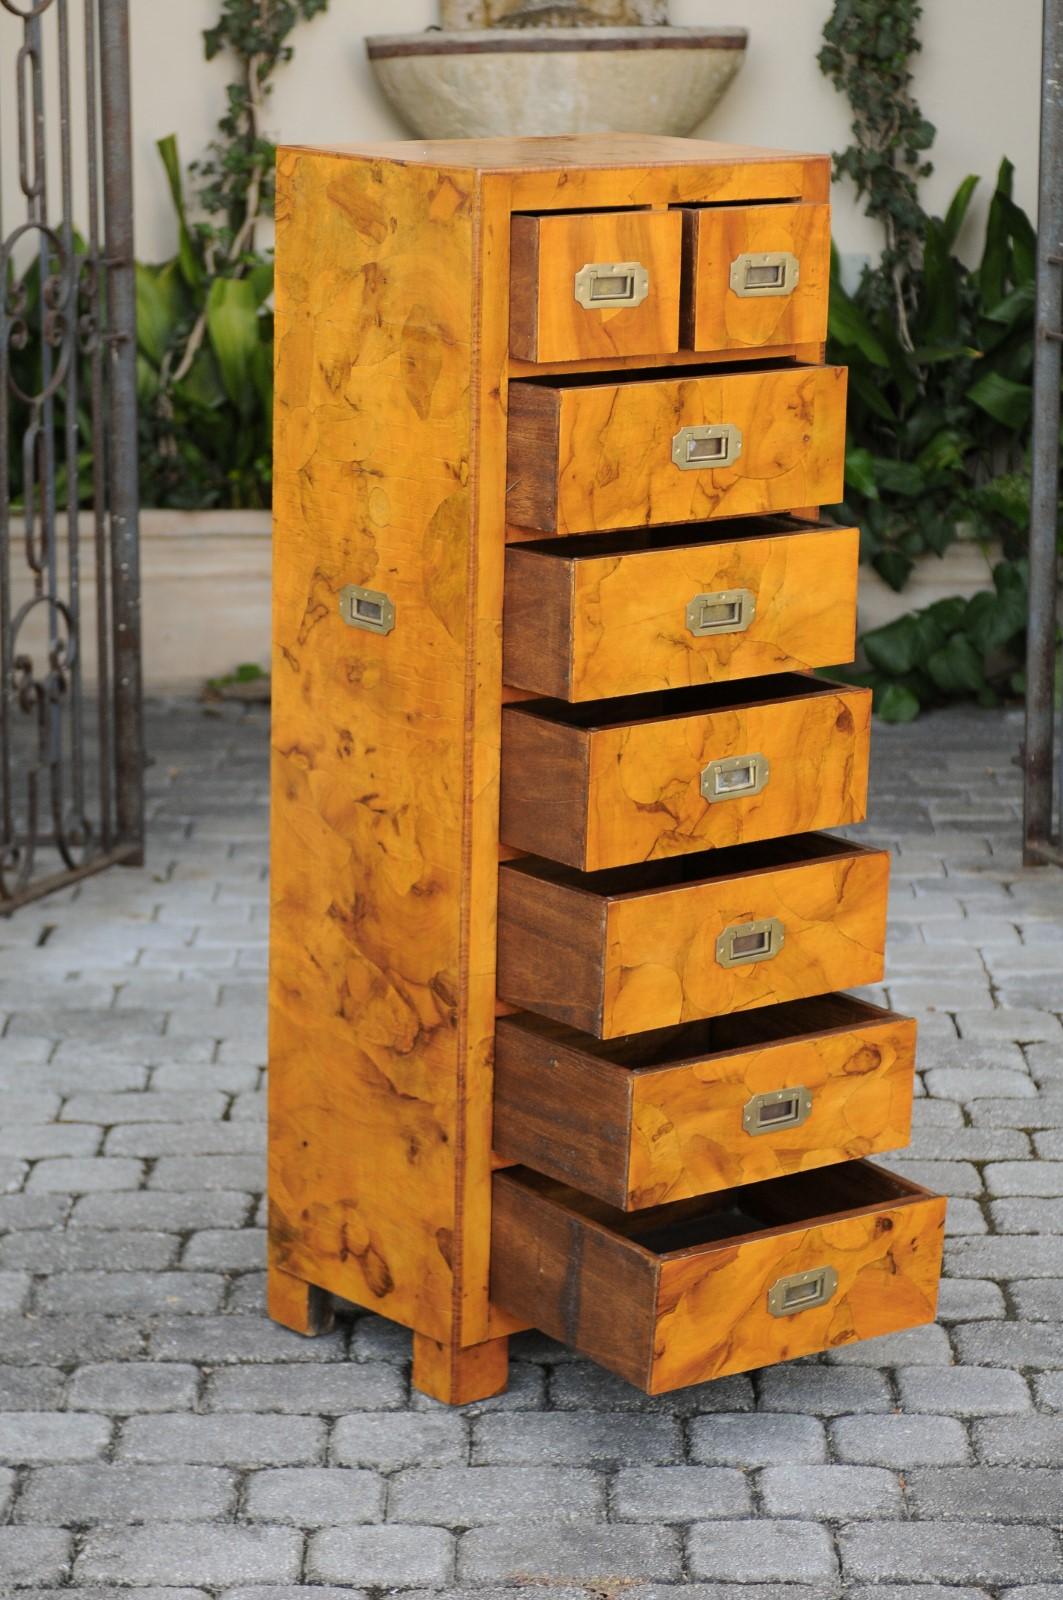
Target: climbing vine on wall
{"points": [[868, 46]]}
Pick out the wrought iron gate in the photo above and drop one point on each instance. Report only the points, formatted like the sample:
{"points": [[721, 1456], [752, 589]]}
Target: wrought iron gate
{"points": [[71, 758]]}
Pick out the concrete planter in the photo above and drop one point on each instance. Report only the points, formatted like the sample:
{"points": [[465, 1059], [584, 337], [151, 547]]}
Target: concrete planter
{"points": [[205, 582], [964, 569]]}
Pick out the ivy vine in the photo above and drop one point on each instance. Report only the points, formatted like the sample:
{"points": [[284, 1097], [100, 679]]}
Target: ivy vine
{"points": [[867, 52], [235, 179]]}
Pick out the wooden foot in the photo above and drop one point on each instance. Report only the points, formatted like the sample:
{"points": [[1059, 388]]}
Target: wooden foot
{"points": [[297, 1305], [458, 1377]]}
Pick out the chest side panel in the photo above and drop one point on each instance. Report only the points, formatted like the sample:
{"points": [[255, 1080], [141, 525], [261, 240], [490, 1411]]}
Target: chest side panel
{"points": [[371, 488]]}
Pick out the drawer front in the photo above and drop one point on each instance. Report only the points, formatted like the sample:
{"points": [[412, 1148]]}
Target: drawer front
{"points": [[756, 276], [628, 622], [595, 285], [637, 786], [586, 457], [616, 963], [705, 1107], [697, 1290]]}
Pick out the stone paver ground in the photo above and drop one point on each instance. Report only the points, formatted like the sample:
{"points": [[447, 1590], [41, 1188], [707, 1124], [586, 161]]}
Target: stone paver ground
{"points": [[162, 1437]]}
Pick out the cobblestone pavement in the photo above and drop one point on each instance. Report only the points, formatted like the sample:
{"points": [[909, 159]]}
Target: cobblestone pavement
{"points": [[162, 1436]]}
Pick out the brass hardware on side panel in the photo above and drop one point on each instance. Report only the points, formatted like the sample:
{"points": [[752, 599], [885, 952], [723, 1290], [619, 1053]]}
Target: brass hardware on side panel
{"points": [[801, 1291], [604, 285], [734, 777], [777, 1108], [726, 611], [715, 444], [760, 274], [370, 609], [745, 942]]}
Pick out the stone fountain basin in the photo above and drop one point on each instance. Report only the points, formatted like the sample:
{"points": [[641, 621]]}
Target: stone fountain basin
{"points": [[530, 81]]}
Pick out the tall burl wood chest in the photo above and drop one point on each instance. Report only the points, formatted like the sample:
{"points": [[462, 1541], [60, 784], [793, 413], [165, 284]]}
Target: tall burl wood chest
{"points": [[558, 940]]}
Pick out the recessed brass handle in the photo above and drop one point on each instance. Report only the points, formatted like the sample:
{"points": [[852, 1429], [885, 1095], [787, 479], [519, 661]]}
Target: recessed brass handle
{"points": [[726, 611], [370, 609], [745, 942], [761, 274], [777, 1108], [734, 777], [801, 1291], [604, 285], [717, 444]]}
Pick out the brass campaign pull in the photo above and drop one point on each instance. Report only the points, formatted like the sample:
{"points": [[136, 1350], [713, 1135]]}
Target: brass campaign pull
{"points": [[801, 1291], [757, 275], [602, 285], [746, 942]]}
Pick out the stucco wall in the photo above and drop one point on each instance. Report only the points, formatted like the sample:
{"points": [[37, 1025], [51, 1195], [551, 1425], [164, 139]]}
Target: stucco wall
{"points": [[977, 79]]}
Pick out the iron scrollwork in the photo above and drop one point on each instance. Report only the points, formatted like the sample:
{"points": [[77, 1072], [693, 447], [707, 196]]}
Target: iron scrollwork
{"points": [[70, 778]]}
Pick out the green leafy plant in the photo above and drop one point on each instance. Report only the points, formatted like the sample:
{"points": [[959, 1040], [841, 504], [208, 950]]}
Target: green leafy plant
{"points": [[205, 328], [954, 649], [938, 433]]}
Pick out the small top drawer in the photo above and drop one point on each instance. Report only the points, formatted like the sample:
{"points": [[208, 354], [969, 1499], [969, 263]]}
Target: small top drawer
{"points": [[594, 284], [755, 276]]}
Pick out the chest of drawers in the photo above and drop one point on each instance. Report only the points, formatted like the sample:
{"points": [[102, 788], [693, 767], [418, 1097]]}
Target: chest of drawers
{"points": [[557, 938]]}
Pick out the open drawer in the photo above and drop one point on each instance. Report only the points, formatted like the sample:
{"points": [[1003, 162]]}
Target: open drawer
{"points": [[617, 613], [611, 782], [689, 1110], [668, 941], [594, 284], [755, 276], [701, 1288], [594, 451]]}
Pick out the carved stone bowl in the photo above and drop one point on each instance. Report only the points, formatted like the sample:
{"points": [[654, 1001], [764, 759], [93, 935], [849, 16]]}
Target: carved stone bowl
{"points": [[527, 81]]}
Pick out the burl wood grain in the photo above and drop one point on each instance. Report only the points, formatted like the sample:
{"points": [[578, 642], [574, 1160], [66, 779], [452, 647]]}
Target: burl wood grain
{"points": [[711, 1318], [719, 319], [585, 457], [635, 948], [300, 1306], [628, 787], [547, 322], [370, 790], [662, 1118], [459, 1376], [645, 1297], [584, 627]]}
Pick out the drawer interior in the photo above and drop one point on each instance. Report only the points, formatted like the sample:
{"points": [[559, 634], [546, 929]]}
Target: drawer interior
{"points": [[661, 704], [714, 1036], [671, 536], [729, 861], [800, 1200], [625, 378]]}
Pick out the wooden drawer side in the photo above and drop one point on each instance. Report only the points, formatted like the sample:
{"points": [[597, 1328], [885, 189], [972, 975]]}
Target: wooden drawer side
{"points": [[574, 1280]]}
